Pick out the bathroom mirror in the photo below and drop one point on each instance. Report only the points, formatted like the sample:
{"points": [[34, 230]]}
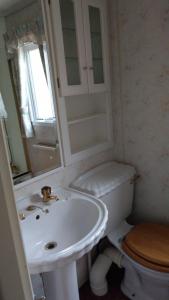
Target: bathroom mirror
{"points": [[27, 91]]}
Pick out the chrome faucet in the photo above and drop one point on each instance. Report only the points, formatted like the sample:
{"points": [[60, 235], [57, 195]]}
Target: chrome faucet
{"points": [[46, 194]]}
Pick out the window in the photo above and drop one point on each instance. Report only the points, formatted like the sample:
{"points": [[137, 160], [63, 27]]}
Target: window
{"points": [[40, 92]]}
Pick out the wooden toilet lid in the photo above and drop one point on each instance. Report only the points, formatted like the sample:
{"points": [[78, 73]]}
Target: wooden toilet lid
{"points": [[148, 244], [145, 262]]}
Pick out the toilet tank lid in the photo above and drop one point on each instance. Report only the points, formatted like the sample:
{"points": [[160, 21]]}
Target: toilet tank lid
{"points": [[103, 178]]}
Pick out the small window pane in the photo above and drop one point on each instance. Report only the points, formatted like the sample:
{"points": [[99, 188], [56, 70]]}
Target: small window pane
{"points": [[70, 42], [96, 41]]}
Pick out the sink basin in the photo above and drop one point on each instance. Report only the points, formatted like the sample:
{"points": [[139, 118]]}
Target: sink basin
{"points": [[53, 241]]}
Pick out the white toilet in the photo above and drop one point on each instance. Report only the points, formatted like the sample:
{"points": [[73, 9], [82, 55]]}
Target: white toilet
{"points": [[143, 250]]}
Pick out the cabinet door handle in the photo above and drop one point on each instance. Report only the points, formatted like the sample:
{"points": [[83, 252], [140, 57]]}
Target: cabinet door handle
{"points": [[84, 68]]}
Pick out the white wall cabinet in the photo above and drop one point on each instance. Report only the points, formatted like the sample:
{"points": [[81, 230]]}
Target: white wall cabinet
{"points": [[81, 37], [79, 43]]}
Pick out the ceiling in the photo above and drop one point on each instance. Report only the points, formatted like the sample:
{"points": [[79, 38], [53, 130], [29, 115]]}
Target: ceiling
{"points": [[7, 6]]}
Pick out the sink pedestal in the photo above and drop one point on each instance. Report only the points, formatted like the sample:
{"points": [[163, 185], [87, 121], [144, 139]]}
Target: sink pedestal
{"points": [[61, 284]]}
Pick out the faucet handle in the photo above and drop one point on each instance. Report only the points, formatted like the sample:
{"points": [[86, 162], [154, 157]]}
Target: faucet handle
{"points": [[46, 189], [46, 193]]}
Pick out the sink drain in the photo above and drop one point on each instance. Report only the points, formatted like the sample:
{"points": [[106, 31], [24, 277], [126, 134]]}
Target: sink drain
{"points": [[50, 245]]}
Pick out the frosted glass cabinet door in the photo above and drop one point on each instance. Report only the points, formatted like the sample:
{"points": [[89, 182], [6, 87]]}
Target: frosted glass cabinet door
{"points": [[68, 26], [96, 36]]}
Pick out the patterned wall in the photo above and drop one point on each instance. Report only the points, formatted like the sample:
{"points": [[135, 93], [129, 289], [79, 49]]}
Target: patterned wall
{"points": [[140, 52]]}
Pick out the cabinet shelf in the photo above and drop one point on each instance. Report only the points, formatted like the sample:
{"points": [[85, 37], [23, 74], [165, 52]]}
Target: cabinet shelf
{"points": [[98, 59], [95, 144], [85, 118], [71, 58], [69, 28], [96, 33], [46, 147]]}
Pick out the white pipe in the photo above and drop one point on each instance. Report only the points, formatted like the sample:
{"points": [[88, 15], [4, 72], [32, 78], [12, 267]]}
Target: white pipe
{"points": [[100, 268]]}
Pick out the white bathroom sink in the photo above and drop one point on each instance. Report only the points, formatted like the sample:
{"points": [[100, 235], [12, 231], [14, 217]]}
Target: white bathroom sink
{"points": [[64, 234]]}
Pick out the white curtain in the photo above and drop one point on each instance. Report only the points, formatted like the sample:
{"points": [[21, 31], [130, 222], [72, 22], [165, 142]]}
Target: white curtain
{"points": [[3, 113], [24, 95]]}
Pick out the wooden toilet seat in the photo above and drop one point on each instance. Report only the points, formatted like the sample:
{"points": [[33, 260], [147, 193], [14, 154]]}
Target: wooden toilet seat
{"points": [[148, 244]]}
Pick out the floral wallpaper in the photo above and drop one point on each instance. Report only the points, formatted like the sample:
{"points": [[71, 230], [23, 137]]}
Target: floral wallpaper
{"points": [[140, 41]]}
